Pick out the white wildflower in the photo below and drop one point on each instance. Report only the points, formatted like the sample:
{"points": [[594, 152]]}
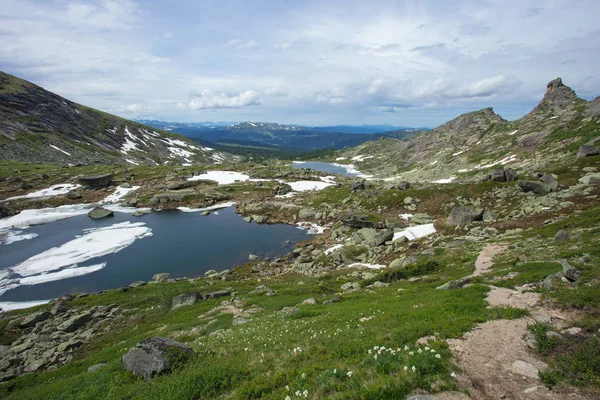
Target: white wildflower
{"points": [[349, 374]]}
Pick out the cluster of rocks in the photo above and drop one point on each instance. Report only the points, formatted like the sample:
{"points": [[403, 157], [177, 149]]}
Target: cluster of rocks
{"points": [[568, 274], [48, 339], [191, 298]]}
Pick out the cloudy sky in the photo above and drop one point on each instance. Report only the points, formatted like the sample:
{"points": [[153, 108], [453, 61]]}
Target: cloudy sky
{"points": [[414, 63]]}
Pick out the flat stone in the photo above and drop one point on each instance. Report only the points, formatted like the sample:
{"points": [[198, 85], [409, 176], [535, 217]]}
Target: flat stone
{"points": [[185, 299], [523, 368]]}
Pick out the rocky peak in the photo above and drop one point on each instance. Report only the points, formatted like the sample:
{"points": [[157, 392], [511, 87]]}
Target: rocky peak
{"points": [[469, 122], [557, 94]]}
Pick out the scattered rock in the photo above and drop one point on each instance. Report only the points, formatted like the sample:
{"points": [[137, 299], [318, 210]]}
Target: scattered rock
{"points": [[587, 151], [402, 185], [306, 213], [162, 277], [76, 321], [217, 294], [421, 219], [99, 213], [139, 213], [155, 356], [561, 236], [310, 301], [5, 211], [523, 368], [281, 189], [262, 289], [253, 257], [457, 284], [186, 299], [74, 195], [350, 287], [97, 181], [591, 179], [334, 299], [570, 272], [464, 215], [32, 319], [535, 187], [550, 181]]}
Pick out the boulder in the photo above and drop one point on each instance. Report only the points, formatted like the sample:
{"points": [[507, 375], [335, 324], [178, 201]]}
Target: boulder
{"points": [[99, 213], [497, 175], [465, 215], [550, 181], [135, 284], [310, 301], [281, 189], [32, 319], [139, 213], [260, 219], [359, 221], [561, 236], [253, 257], [457, 284], [372, 237], [162, 277], [587, 151], [569, 271], [535, 187], [97, 181], [591, 179], [262, 289], [186, 299], [74, 196], [59, 308], [421, 218], [306, 213], [75, 322], [357, 185], [156, 356], [5, 211], [511, 175], [402, 185], [349, 287], [216, 294]]}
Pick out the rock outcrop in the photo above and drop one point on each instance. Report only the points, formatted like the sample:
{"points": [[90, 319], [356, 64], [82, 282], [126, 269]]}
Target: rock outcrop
{"points": [[156, 356]]}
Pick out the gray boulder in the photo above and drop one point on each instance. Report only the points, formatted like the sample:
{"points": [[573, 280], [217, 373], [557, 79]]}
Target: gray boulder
{"points": [[5, 211], [32, 319], [587, 151], [421, 218], [74, 196], [569, 271], [350, 287], [561, 236], [497, 175], [75, 322], [465, 215], [253, 257], [550, 181], [591, 179], [156, 356], [511, 175], [216, 294], [403, 185], [457, 284], [99, 212], [260, 219], [262, 289], [281, 189], [306, 213], [139, 213], [162, 277], [372, 237], [186, 299], [535, 187]]}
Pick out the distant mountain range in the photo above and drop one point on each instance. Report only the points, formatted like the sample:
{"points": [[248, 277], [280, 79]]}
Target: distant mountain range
{"points": [[285, 137]]}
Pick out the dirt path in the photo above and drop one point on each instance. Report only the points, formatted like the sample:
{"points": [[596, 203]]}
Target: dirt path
{"points": [[495, 360], [484, 261]]}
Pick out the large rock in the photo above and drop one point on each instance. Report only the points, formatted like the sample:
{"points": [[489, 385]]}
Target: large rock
{"points": [[535, 187], [591, 179], [306, 213], [75, 322], [162, 277], [587, 151], [402, 185], [5, 211], [99, 212], [504, 175], [465, 215], [97, 181], [569, 271], [550, 181], [186, 299], [360, 221], [156, 356], [561, 236], [372, 237], [281, 189], [32, 319], [421, 218], [457, 284]]}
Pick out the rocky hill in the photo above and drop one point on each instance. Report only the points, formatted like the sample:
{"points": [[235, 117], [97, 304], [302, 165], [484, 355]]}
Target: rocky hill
{"points": [[39, 126], [472, 143]]}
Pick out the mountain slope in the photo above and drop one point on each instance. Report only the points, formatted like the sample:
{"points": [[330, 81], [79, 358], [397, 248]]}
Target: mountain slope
{"points": [[480, 140], [39, 126]]}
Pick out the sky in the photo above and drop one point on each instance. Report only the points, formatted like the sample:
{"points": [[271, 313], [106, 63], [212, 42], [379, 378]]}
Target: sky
{"points": [[411, 63]]}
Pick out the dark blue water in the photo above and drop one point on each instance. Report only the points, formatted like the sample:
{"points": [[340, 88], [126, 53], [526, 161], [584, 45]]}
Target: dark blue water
{"points": [[183, 244], [324, 167]]}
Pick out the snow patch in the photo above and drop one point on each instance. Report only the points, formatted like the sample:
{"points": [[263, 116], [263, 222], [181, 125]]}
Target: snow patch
{"points": [[119, 194], [61, 150], [361, 158], [513, 132], [446, 180], [19, 305], [132, 162], [340, 158], [365, 265], [28, 218], [221, 177], [215, 207], [458, 153], [8, 237], [311, 228], [95, 242], [415, 232], [305, 186], [405, 217], [54, 190], [62, 274], [333, 248]]}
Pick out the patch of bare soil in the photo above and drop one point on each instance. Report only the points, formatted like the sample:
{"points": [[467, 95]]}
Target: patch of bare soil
{"points": [[495, 360], [484, 261]]}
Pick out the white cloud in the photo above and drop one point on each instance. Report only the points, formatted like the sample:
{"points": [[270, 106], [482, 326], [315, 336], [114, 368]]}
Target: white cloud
{"points": [[135, 107], [278, 91], [240, 44], [210, 100]]}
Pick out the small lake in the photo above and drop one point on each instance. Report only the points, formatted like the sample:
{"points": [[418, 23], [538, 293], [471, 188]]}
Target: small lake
{"points": [[183, 244], [324, 167]]}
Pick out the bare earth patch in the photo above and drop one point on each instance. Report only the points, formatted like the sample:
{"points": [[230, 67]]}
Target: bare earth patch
{"points": [[495, 360]]}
